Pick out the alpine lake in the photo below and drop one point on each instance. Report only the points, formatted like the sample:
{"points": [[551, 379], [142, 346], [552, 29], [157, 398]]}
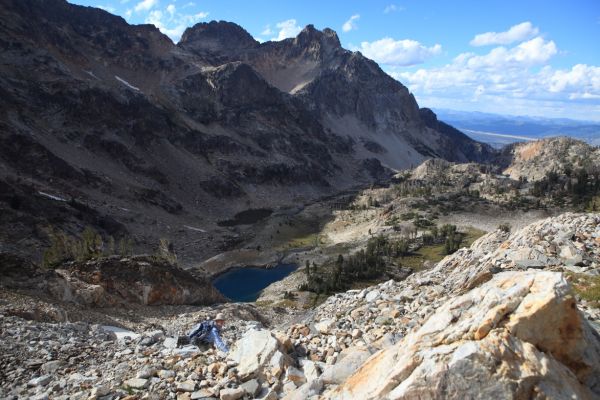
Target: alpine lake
{"points": [[245, 284]]}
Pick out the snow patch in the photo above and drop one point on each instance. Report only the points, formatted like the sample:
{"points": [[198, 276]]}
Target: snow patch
{"points": [[129, 85], [211, 84], [194, 229], [51, 196], [90, 73], [499, 134]]}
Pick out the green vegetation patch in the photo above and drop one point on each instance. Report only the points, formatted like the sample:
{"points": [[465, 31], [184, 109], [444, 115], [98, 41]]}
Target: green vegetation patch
{"points": [[587, 287], [286, 303], [594, 204], [436, 252], [89, 245], [304, 241], [297, 233], [263, 303], [415, 260], [471, 235]]}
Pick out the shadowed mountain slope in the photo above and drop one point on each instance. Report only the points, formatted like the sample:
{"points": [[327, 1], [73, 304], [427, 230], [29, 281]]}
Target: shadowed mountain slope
{"points": [[112, 125]]}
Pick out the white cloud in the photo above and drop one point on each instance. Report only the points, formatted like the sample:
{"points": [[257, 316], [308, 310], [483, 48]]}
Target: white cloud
{"points": [[398, 52], [193, 18], [584, 96], [508, 80], [267, 31], [145, 5], [533, 52], [171, 9], [351, 23], [516, 33], [107, 8], [172, 23], [287, 29], [392, 8], [582, 81], [155, 17], [128, 13]]}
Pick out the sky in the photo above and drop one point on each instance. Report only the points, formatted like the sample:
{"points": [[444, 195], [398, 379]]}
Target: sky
{"points": [[519, 57]]}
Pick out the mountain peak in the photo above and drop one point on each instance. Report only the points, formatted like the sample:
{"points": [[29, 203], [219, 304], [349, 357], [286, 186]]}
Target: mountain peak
{"points": [[216, 36], [310, 34]]}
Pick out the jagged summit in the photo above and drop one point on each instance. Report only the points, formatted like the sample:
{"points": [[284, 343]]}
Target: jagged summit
{"points": [[327, 37], [218, 42]]}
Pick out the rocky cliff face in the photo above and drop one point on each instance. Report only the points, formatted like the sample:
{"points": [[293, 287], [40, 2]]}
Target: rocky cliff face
{"points": [[120, 129], [351, 95], [110, 282]]}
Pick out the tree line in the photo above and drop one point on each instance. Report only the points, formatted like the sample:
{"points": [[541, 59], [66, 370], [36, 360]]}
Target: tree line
{"points": [[371, 263], [91, 245]]}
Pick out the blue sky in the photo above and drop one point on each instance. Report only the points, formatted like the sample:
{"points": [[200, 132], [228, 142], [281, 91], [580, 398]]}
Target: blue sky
{"points": [[525, 57]]}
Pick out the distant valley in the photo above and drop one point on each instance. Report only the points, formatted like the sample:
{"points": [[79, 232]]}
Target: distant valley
{"points": [[499, 130]]}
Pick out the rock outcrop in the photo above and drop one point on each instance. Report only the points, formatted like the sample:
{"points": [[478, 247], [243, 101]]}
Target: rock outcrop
{"points": [[259, 354], [518, 335], [567, 243], [534, 160], [112, 281], [138, 280], [217, 41]]}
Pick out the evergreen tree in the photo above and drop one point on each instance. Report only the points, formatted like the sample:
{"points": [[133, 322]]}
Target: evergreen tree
{"points": [[166, 251], [339, 265]]}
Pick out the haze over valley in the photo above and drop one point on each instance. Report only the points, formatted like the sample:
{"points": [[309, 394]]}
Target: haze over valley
{"points": [[499, 130]]}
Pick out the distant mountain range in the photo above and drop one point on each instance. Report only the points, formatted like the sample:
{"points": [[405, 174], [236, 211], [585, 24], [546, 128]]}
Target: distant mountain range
{"points": [[499, 130]]}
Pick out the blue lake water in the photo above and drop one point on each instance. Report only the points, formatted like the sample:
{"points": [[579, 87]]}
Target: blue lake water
{"points": [[245, 284]]}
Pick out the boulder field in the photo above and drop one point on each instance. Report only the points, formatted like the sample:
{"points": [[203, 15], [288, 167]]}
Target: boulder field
{"points": [[508, 317]]}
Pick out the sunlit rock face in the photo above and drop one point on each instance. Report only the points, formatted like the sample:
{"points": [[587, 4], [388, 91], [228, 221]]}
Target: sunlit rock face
{"points": [[518, 335]]}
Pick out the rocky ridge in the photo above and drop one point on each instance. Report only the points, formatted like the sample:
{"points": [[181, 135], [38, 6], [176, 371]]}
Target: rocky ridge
{"points": [[471, 315], [443, 172], [534, 160]]}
